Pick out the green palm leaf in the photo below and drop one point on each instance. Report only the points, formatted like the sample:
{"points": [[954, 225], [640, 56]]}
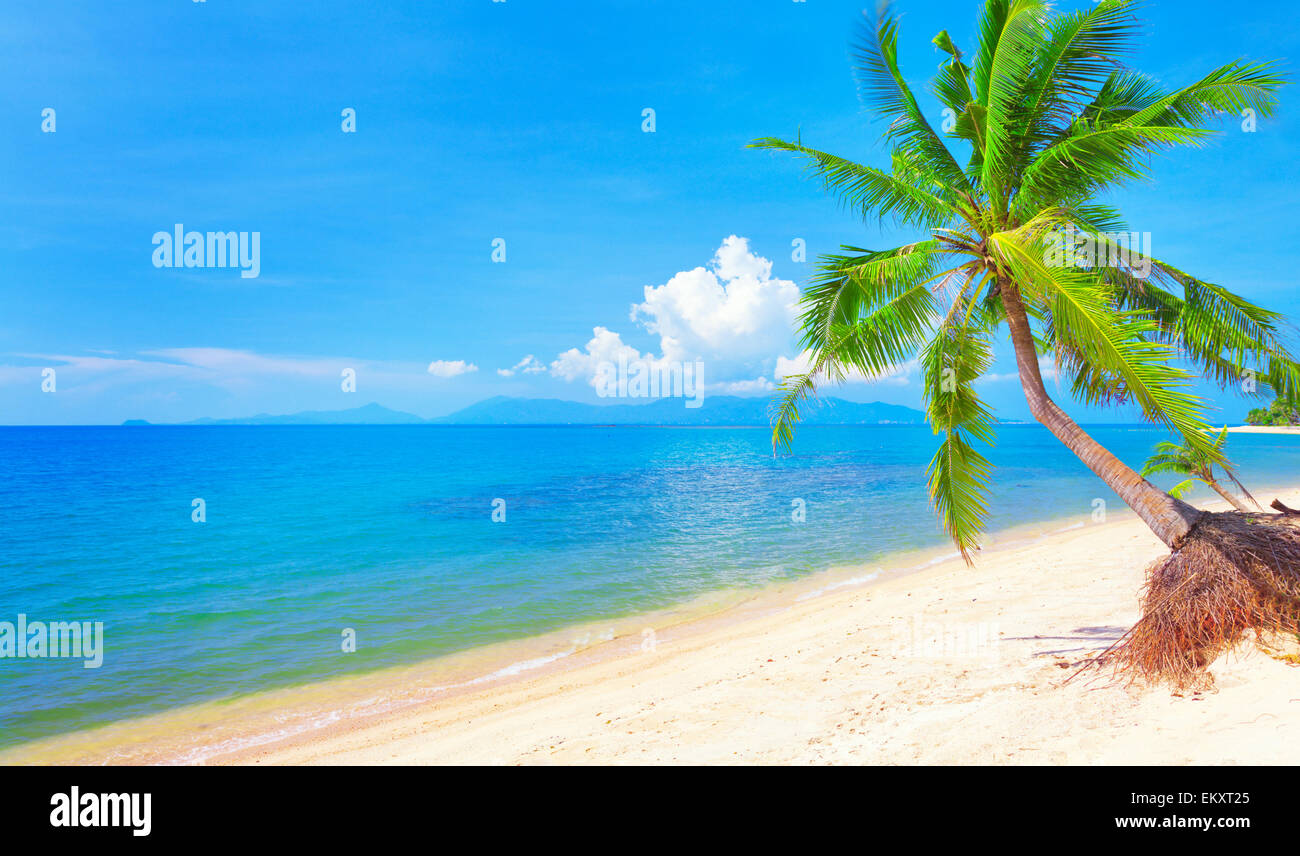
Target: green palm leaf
{"points": [[870, 191], [884, 88], [958, 475]]}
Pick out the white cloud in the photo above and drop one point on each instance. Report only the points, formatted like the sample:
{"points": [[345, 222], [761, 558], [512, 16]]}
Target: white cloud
{"points": [[528, 365], [735, 316], [797, 366], [225, 367], [225, 361], [757, 386], [243, 373], [451, 368], [177, 384], [733, 260], [732, 316], [605, 346], [72, 370]]}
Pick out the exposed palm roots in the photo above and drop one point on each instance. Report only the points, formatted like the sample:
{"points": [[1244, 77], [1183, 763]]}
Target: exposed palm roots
{"points": [[1235, 574]]}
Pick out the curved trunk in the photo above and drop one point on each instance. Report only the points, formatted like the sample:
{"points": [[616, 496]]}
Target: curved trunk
{"points": [[1169, 518], [1232, 500]]}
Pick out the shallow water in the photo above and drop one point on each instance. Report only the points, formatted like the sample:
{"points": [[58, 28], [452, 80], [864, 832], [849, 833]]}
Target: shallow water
{"points": [[389, 531]]}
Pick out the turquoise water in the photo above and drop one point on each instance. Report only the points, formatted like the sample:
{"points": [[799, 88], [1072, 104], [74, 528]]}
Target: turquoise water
{"points": [[389, 530]]}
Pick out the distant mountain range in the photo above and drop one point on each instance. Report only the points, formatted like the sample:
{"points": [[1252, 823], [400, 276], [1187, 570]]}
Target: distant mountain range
{"points": [[502, 410], [371, 414], [714, 410]]}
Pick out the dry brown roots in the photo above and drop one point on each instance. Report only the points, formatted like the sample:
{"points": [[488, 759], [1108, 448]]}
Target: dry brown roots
{"points": [[1235, 574]]}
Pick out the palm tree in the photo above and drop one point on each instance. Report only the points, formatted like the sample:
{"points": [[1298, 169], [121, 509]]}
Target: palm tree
{"points": [[1278, 413], [1049, 119], [1170, 457]]}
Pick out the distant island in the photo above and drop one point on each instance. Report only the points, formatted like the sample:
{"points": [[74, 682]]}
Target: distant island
{"points": [[503, 410]]}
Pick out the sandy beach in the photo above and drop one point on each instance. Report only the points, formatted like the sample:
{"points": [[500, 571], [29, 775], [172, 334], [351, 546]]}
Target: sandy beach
{"points": [[1264, 429], [945, 665]]}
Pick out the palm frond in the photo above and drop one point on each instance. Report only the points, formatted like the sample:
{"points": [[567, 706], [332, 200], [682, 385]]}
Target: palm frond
{"points": [[1230, 88], [1116, 341], [958, 476], [847, 287], [1003, 83], [872, 333], [1095, 158], [1221, 333], [868, 191], [884, 88], [1079, 53]]}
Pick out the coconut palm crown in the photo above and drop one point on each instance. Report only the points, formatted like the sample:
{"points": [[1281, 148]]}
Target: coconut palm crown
{"points": [[1042, 120]]}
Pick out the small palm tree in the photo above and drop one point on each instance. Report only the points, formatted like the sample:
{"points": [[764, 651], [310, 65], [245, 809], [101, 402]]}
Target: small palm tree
{"points": [[1050, 120], [1171, 457]]}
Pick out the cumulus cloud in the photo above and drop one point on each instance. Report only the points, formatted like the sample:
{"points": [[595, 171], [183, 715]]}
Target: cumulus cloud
{"points": [[451, 368], [732, 313], [732, 316], [605, 346], [528, 365], [733, 260], [786, 367]]}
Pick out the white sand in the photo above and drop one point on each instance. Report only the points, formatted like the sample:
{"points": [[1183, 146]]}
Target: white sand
{"points": [[1264, 429]]}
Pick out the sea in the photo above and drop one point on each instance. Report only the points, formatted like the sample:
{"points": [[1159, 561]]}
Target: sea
{"points": [[223, 561]]}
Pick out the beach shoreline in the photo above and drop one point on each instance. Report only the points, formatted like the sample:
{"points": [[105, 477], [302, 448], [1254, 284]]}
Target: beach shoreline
{"points": [[1264, 429], [923, 633]]}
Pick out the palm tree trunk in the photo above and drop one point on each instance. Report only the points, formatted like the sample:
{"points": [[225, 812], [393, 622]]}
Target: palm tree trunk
{"points": [[1169, 518], [1218, 488]]}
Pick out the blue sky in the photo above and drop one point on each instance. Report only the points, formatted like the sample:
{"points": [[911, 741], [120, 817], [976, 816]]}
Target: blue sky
{"points": [[478, 120]]}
